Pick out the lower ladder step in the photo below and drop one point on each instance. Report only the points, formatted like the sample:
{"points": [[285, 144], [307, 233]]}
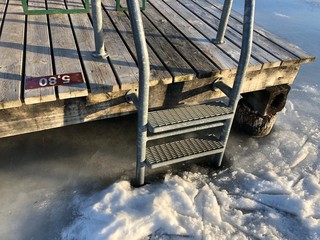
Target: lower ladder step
{"points": [[183, 150], [186, 116]]}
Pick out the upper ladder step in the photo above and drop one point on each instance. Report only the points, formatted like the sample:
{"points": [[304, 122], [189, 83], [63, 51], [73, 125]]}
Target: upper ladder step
{"points": [[183, 150], [169, 119]]}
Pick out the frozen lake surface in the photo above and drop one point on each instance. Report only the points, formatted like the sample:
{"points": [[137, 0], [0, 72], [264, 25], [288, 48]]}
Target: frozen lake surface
{"points": [[72, 183]]}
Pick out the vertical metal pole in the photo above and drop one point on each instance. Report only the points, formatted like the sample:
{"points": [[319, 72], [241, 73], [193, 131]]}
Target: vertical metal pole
{"points": [[98, 29], [246, 47], [144, 73], [223, 21]]}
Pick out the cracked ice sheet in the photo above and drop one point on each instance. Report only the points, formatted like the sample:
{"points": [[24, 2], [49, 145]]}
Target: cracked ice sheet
{"points": [[271, 191], [232, 204]]}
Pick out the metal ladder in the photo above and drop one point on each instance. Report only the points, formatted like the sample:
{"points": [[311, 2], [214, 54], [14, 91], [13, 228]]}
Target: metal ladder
{"points": [[176, 121]]}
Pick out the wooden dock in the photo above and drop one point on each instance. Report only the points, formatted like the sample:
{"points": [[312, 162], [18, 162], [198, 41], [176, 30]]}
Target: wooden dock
{"points": [[184, 62]]}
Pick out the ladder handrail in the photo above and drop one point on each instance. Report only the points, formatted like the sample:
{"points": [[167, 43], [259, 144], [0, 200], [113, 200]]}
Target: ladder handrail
{"points": [[144, 69], [143, 93], [245, 54], [223, 21], [246, 46]]}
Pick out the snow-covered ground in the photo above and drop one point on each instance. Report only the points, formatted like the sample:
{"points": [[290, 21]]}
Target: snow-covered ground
{"points": [[271, 189], [61, 183]]}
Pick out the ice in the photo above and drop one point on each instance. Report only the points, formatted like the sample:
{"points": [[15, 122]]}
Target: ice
{"points": [[182, 208], [271, 189], [281, 15], [61, 183]]}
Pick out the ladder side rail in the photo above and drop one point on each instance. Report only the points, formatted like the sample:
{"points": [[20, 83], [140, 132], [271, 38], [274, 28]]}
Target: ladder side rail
{"points": [[246, 48], [226, 10], [143, 93]]}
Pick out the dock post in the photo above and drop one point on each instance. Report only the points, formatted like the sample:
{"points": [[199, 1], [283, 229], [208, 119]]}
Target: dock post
{"points": [[100, 51], [223, 22], [143, 94]]}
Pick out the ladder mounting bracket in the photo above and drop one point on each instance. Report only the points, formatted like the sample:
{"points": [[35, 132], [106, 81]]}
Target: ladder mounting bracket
{"points": [[132, 96]]}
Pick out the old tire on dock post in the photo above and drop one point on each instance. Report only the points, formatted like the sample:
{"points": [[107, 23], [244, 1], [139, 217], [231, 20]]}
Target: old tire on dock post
{"points": [[251, 122]]}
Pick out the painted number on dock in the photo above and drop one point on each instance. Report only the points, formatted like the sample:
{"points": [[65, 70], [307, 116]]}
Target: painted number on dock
{"points": [[54, 80]]}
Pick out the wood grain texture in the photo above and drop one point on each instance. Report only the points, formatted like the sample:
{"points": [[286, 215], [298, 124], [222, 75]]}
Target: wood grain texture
{"points": [[264, 34], [158, 72], [182, 22], [123, 63], [229, 48], [11, 50], [196, 59], [3, 5], [177, 66], [211, 15], [166, 22], [38, 55], [98, 71], [65, 54], [37, 117]]}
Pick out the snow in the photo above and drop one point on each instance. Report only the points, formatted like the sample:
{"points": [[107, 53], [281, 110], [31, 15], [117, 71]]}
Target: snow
{"points": [[269, 206], [270, 200], [60, 184], [270, 190]]}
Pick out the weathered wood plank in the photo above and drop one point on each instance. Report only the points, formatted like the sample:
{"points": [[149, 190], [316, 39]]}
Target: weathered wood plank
{"points": [[98, 72], [11, 49], [258, 40], [65, 53], [3, 6], [261, 79], [211, 16], [37, 117], [188, 24], [197, 60], [176, 65], [38, 55], [120, 58], [223, 61], [157, 70], [196, 16], [261, 32]]}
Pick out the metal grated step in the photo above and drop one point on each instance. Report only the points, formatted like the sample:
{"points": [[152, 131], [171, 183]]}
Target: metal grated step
{"points": [[183, 150], [174, 118]]}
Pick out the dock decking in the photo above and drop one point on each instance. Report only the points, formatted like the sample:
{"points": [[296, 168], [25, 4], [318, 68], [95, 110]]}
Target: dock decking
{"points": [[179, 34]]}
